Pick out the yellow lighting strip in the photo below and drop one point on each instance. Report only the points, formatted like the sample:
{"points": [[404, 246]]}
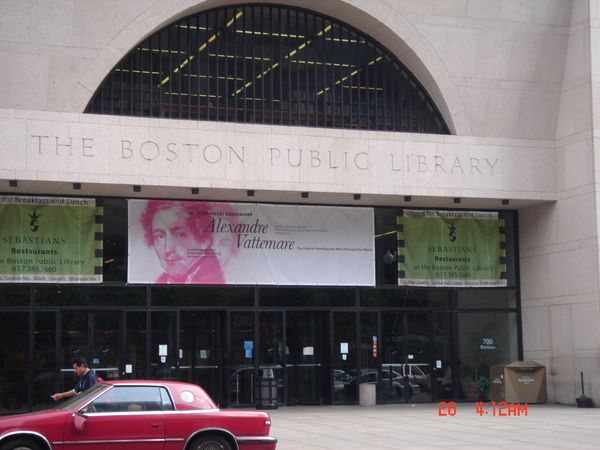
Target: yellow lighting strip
{"points": [[156, 50], [288, 56], [202, 47], [351, 75], [266, 33], [145, 72], [185, 94]]}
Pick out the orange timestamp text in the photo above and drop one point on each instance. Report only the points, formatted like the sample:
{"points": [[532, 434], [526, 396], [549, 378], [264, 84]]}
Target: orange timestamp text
{"points": [[487, 409]]}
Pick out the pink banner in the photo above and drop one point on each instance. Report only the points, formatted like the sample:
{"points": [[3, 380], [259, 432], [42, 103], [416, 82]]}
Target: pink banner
{"points": [[178, 242]]}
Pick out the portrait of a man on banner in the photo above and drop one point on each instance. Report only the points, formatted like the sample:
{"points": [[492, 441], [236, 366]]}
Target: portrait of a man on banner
{"points": [[179, 234]]}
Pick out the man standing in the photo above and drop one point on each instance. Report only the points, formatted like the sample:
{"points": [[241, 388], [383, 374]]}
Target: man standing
{"points": [[87, 378]]}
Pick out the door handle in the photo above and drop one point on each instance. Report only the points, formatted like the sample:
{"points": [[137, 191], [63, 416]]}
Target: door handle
{"points": [[156, 426]]}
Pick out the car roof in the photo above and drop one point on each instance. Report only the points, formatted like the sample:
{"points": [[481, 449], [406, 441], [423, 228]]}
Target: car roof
{"points": [[146, 383]]}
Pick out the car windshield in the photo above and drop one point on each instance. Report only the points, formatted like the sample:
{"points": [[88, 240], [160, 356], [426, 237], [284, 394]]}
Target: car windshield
{"points": [[82, 398]]}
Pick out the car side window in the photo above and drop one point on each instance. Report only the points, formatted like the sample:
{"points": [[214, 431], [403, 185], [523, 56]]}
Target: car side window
{"points": [[166, 401], [129, 399]]}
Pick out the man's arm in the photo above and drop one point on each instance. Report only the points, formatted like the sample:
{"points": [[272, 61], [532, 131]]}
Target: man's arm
{"points": [[66, 394]]}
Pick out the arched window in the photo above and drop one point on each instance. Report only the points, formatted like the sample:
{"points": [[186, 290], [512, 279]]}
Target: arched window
{"points": [[272, 65]]}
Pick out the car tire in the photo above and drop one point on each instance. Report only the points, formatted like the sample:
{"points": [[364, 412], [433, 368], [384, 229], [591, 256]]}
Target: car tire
{"points": [[210, 442], [21, 444]]}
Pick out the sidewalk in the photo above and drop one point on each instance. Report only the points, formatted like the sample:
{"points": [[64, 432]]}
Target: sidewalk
{"points": [[421, 426]]}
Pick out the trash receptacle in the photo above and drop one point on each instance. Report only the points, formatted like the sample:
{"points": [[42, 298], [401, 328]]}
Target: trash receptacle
{"points": [[266, 390], [367, 394], [518, 382]]}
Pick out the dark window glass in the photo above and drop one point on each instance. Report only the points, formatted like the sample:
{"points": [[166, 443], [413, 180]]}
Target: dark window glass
{"points": [[320, 297], [268, 64], [115, 239], [45, 379], [14, 295], [486, 298], [96, 296], [405, 298], [484, 339], [202, 296], [15, 338], [164, 354], [135, 351]]}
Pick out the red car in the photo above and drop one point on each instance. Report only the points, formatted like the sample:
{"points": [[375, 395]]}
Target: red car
{"points": [[142, 415]]}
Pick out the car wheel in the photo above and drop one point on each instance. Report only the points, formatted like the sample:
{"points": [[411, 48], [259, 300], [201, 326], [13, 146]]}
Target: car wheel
{"points": [[21, 444], [210, 442]]}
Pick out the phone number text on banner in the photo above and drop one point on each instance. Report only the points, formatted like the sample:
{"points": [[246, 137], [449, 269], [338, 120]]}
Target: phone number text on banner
{"points": [[183, 242], [50, 240]]}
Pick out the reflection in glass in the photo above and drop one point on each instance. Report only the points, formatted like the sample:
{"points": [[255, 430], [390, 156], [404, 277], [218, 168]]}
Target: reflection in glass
{"points": [[135, 350], [94, 296], [485, 339], [163, 347], [306, 353], [200, 358], [14, 336], [344, 355], [241, 357]]}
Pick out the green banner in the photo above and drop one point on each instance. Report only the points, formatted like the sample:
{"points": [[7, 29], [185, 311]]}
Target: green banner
{"points": [[451, 249], [50, 240]]}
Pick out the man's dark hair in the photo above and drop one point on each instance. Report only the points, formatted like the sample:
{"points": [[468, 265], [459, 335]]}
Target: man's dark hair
{"points": [[198, 218], [80, 362]]}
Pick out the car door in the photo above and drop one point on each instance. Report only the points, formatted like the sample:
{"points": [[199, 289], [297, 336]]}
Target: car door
{"points": [[124, 417]]}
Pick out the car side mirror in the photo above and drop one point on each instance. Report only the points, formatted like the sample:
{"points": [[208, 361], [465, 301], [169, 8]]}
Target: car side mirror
{"points": [[79, 422]]}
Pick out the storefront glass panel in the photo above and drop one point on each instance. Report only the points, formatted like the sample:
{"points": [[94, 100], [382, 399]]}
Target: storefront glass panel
{"points": [[45, 381], [164, 345], [308, 377], [90, 296], [417, 366], [345, 354], [441, 380], [201, 346], [135, 360], [405, 298], [242, 351], [369, 352], [484, 339], [307, 297], [486, 298], [74, 343], [405, 357], [14, 295], [271, 351], [106, 344], [14, 336], [193, 296], [94, 336]]}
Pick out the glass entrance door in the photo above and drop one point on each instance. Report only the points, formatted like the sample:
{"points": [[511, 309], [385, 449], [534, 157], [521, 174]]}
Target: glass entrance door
{"points": [[405, 357], [95, 336], [200, 359], [307, 354], [241, 377]]}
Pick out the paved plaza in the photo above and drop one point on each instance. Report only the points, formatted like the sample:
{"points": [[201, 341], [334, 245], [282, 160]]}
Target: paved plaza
{"points": [[421, 426]]}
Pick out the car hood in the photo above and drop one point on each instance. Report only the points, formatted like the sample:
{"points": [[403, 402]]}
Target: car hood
{"points": [[49, 417]]}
